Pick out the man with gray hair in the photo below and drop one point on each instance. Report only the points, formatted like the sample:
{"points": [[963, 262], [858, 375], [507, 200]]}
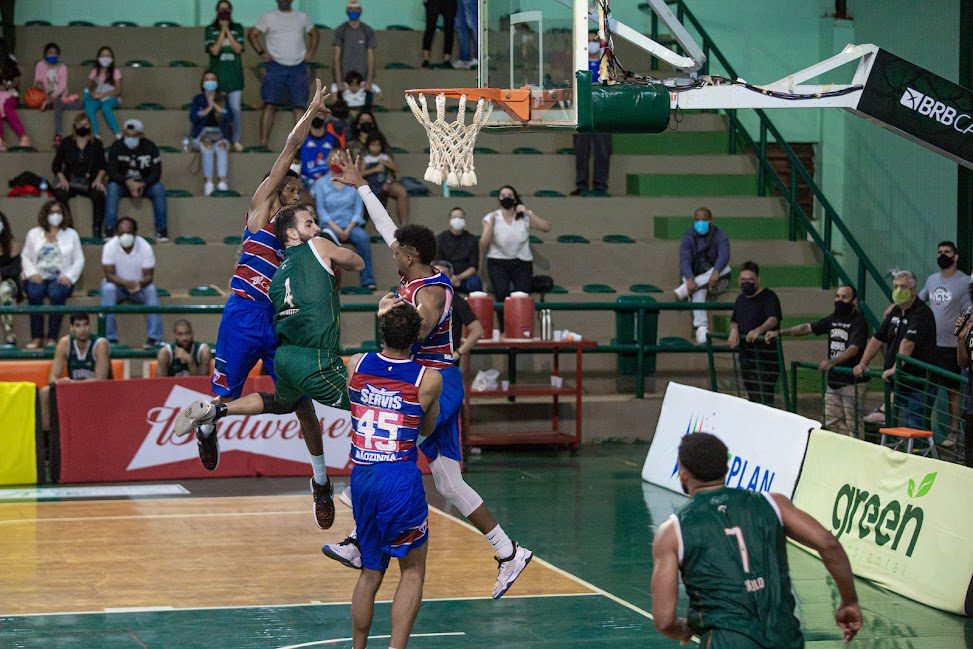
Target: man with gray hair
{"points": [[909, 329]]}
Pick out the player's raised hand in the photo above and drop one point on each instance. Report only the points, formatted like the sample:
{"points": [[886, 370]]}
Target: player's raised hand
{"points": [[849, 619], [317, 104], [350, 170]]}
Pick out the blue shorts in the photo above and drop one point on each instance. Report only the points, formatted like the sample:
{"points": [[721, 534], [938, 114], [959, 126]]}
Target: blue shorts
{"points": [[391, 515], [246, 335], [281, 78], [445, 438]]}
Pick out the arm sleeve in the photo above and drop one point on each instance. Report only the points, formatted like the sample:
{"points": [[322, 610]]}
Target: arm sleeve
{"points": [[474, 258], [155, 170], [462, 311], [858, 334], [77, 257], [359, 216], [261, 24], [97, 157], [148, 256], [735, 317], [924, 292], [821, 326], [108, 254], [339, 36], [773, 307], [379, 215], [114, 173], [39, 73], [308, 24], [57, 165], [28, 253], [194, 109], [686, 256], [882, 333], [209, 34], [372, 42]]}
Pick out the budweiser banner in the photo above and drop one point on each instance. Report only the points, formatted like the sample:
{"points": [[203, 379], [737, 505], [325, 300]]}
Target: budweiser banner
{"points": [[123, 431]]}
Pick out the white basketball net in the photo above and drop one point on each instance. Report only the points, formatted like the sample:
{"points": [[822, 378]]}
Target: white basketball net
{"points": [[450, 143]]}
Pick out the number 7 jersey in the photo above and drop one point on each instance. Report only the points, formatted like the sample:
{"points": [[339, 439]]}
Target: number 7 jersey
{"points": [[386, 413]]}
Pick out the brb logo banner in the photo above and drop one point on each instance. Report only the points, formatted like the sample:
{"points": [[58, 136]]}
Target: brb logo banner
{"points": [[766, 445], [905, 521]]}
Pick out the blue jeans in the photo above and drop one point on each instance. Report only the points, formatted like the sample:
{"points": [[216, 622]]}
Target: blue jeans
{"points": [[107, 107], [470, 284], [363, 244], [234, 99], [467, 29], [220, 150], [58, 294], [112, 294], [156, 193]]}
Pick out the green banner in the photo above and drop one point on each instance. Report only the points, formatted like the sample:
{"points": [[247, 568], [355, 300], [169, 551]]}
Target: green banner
{"points": [[905, 521]]}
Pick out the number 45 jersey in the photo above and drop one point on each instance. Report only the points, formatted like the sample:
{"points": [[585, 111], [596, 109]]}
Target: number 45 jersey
{"points": [[386, 413]]}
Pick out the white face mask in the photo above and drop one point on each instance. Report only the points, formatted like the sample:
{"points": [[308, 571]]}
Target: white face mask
{"points": [[105, 61], [131, 142], [126, 239], [55, 219], [594, 47], [457, 222]]}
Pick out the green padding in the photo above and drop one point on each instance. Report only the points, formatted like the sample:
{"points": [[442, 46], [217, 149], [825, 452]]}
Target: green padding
{"points": [[691, 184], [315, 65], [203, 291], [671, 143], [138, 63], [81, 23], [395, 65], [557, 288], [178, 193], [738, 228], [483, 149], [123, 23], [225, 193], [398, 149], [675, 341], [92, 241], [167, 23], [526, 150], [190, 241], [548, 193], [233, 240], [182, 63], [565, 150], [644, 288], [617, 238], [598, 288], [150, 105], [535, 239], [256, 148], [622, 108], [151, 240], [572, 238], [356, 290], [460, 193], [37, 23], [165, 148], [721, 321], [399, 28]]}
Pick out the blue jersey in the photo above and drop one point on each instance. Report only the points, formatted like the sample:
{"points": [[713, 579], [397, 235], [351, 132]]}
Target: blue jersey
{"points": [[386, 413], [260, 257], [436, 350]]}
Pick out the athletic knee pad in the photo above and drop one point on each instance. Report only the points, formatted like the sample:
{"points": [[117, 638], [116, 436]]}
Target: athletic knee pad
{"points": [[274, 407], [449, 482]]}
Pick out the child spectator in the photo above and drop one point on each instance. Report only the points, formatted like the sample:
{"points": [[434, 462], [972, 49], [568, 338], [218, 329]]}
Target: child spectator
{"points": [[365, 131], [224, 44], [355, 95], [212, 131], [9, 97], [51, 76], [104, 92]]}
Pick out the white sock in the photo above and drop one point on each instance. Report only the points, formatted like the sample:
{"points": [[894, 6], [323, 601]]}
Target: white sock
{"points": [[500, 542], [207, 429], [320, 470]]}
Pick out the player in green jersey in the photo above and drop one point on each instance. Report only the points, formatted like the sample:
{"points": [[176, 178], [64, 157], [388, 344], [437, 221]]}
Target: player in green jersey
{"points": [[729, 545], [183, 356]]}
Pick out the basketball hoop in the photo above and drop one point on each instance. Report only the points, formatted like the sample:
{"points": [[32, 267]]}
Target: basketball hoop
{"points": [[451, 143]]}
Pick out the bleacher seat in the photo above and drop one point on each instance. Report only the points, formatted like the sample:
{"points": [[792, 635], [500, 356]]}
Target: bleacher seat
{"points": [[572, 238], [139, 63], [182, 63], [203, 291], [233, 240], [644, 288], [81, 23], [150, 105], [526, 150], [123, 23], [178, 193], [548, 193], [598, 288], [166, 23], [617, 238], [190, 241]]}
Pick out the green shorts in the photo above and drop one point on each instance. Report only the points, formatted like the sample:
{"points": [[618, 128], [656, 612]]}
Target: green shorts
{"points": [[305, 372], [726, 639]]}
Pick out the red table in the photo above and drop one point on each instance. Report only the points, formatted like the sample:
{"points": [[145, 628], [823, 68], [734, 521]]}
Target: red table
{"points": [[554, 436]]}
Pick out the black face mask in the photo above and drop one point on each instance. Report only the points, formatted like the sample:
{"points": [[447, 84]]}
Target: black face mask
{"points": [[83, 131], [507, 203], [944, 261], [366, 127], [317, 122], [748, 288], [843, 308]]}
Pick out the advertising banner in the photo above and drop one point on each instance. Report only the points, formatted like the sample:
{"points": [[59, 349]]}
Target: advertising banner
{"points": [[766, 445], [905, 521], [18, 433], [123, 430]]}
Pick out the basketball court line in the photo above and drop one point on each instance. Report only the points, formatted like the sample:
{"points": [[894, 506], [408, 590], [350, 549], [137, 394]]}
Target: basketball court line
{"points": [[318, 643], [75, 519], [109, 491]]}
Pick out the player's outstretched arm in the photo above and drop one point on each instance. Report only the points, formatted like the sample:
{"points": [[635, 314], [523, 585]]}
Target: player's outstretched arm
{"points": [[429, 390], [351, 176], [800, 526], [665, 585], [263, 198], [339, 255]]}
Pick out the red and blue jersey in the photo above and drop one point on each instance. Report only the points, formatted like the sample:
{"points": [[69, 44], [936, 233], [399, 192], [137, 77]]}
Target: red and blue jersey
{"points": [[260, 257], [436, 350], [386, 413]]}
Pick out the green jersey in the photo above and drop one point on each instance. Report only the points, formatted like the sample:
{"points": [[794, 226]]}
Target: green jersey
{"points": [[179, 367], [305, 297], [227, 65], [733, 561], [82, 365]]}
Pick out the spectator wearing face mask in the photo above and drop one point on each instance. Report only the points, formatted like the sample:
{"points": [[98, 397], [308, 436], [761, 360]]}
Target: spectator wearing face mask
{"points": [[212, 121], [355, 95], [10, 276], [51, 76], [592, 151], [52, 260], [224, 44], [461, 248], [129, 265], [79, 167], [435, 9], [756, 311], [506, 240], [104, 92], [354, 48], [9, 96], [368, 144], [704, 264], [323, 138], [135, 170]]}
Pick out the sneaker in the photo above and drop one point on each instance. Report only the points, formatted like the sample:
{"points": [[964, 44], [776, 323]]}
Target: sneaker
{"points": [[345, 497], [238, 147], [208, 188], [346, 553], [323, 504], [510, 568], [162, 236], [876, 416], [681, 292], [701, 333], [11, 340], [209, 450], [222, 186], [36, 343], [460, 65], [425, 64], [196, 413]]}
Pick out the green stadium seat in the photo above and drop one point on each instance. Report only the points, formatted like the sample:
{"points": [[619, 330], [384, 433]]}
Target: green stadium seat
{"points": [[494, 193], [548, 193], [558, 289], [676, 342], [168, 148], [91, 241], [190, 241], [150, 105], [245, 107], [94, 292], [461, 193], [257, 148], [89, 62], [179, 193], [617, 238], [225, 193], [535, 239], [203, 291], [596, 193], [398, 149], [565, 150], [320, 26], [572, 238], [182, 63], [378, 108], [123, 23], [482, 150], [598, 288], [37, 23], [526, 150], [21, 149], [163, 292], [138, 63], [166, 23], [233, 240], [399, 28], [376, 238], [316, 65], [425, 150], [186, 106], [397, 65], [356, 290], [644, 288], [81, 23]]}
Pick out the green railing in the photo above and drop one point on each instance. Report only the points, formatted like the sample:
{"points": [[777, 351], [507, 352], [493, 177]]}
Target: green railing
{"points": [[859, 272], [737, 371], [806, 377]]}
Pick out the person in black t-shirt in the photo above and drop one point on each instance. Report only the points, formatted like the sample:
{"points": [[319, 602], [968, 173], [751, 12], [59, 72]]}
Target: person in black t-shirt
{"points": [[461, 249], [847, 334], [757, 311], [909, 329]]}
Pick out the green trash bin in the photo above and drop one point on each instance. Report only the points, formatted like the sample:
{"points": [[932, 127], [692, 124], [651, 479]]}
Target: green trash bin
{"points": [[625, 334]]}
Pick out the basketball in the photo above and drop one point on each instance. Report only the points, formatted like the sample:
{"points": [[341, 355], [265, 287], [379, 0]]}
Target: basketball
{"points": [[34, 97]]}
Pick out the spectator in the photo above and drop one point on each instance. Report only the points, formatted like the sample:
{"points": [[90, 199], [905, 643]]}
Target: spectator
{"points": [[354, 94], [594, 146], [505, 237], [323, 138], [52, 260], [10, 271], [463, 319], [947, 294], [757, 311], [354, 48], [468, 33], [224, 44], [340, 209], [104, 92], [77, 357], [183, 356], [964, 355], [135, 170], [435, 9], [847, 334], [51, 76], [287, 57], [212, 131], [129, 265], [909, 329], [9, 97], [380, 169], [79, 169], [461, 249], [362, 128], [704, 264]]}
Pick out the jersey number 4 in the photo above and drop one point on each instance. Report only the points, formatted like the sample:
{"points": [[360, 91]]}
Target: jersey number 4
{"points": [[744, 555], [373, 421]]}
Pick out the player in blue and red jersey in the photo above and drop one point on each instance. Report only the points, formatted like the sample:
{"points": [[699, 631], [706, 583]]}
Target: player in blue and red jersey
{"points": [[431, 293], [394, 400]]}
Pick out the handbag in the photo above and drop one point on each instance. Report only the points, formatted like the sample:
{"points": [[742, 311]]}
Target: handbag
{"points": [[79, 184]]}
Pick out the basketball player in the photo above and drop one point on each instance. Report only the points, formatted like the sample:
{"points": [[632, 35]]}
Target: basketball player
{"points": [[183, 356], [394, 400], [729, 545], [81, 357], [431, 293]]}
